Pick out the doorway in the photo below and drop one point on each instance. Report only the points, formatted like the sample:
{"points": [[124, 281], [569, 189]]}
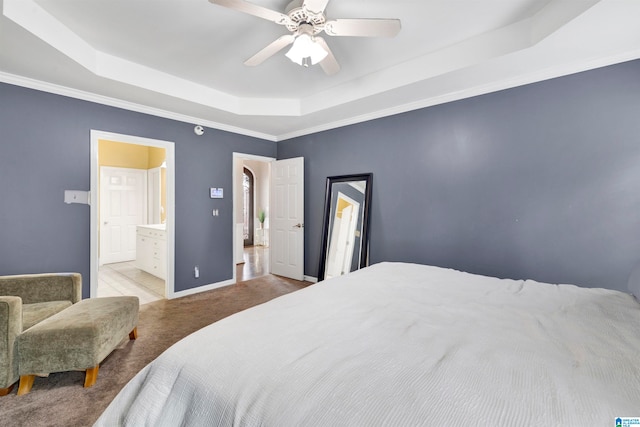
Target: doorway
{"points": [[248, 209], [343, 234], [252, 175], [132, 207]]}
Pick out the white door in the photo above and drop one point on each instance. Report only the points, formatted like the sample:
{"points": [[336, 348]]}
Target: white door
{"points": [[287, 218], [122, 208]]}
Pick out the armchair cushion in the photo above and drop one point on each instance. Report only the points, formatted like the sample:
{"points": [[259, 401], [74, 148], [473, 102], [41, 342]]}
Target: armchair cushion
{"points": [[37, 312]]}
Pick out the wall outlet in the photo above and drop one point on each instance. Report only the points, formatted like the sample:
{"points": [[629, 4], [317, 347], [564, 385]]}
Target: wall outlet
{"points": [[196, 271]]}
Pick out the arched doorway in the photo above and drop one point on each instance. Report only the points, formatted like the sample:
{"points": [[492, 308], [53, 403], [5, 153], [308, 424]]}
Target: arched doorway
{"points": [[248, 184]]}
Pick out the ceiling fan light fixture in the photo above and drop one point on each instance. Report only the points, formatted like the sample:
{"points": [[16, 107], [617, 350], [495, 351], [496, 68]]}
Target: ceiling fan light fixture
{"points": [[305, 47], [306, 19]]}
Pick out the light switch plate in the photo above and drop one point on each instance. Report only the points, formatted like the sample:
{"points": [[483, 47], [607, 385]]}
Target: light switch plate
{"points": [[75, 196]]}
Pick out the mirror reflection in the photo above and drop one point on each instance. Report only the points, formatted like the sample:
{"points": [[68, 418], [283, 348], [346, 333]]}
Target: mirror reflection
{"points": [[345, 232]]}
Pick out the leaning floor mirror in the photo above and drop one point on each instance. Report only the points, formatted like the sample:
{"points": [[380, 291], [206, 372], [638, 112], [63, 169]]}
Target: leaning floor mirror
{"points": [[345, 233]]}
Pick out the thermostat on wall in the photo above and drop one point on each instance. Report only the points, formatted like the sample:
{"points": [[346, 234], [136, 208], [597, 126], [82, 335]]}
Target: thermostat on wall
{"points": [[216, 193]]}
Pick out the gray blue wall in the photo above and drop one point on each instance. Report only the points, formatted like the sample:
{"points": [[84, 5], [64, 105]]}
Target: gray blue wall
{"points": [[540, 181], [45, 149]]}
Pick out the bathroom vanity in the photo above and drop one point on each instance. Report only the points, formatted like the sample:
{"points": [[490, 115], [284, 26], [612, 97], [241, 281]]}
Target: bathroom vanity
{"points": [[151, 249]]}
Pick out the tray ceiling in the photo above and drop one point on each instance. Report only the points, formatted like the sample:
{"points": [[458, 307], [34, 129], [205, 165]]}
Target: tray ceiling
{"points": [[183, 59]]}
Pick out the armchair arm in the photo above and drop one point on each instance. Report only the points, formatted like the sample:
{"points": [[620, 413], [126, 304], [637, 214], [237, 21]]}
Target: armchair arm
{"points": [[10, 328], [44, 287]]}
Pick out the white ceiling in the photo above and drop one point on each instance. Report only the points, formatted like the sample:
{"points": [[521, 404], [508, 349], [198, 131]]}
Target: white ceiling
{"points": [[183, 59]]}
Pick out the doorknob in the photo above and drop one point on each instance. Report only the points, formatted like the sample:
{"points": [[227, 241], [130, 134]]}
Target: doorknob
{"points": [[106, 222], [298, 225]]}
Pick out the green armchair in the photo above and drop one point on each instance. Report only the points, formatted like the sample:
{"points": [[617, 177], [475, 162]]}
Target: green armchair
{"points": [[24, 301]]}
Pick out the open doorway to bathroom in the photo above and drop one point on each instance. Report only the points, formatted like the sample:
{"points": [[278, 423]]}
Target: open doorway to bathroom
{"points": [[131, 225], [252, 175], [132, 220]]}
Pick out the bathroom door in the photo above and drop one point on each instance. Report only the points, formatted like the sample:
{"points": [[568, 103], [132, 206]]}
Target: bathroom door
{"points": [[123, 204]]}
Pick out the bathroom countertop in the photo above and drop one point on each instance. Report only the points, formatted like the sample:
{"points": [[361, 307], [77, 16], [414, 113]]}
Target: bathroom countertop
{"points": [[154, 226]]}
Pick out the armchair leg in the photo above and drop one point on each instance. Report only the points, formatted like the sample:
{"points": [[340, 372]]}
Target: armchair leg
{"points": [[133, 334], [6, 390], [26, 382], [91, 376]]}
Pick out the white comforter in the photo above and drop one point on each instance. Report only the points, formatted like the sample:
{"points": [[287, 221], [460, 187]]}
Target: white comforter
{"points": [[402, 345]]}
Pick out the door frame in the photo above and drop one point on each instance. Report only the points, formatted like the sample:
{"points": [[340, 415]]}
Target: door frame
{"points": [[154, 198], [241, 156], [169, 147]]}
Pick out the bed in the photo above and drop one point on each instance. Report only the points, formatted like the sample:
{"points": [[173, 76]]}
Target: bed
{"points": [[398, 344]]}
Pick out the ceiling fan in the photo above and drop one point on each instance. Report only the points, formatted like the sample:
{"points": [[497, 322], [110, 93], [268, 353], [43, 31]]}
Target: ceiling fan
{"points": [[305, 19]]}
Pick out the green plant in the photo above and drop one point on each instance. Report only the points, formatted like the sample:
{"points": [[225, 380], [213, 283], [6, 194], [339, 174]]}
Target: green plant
{"points": [[261, 216]]}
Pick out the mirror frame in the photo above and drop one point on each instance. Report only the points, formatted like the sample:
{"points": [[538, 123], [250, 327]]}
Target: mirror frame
{"points": [[328, 211]]}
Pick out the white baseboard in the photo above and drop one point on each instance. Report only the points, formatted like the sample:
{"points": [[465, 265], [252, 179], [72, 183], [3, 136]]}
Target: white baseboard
{"points": [[217, 285], [199, 289]]}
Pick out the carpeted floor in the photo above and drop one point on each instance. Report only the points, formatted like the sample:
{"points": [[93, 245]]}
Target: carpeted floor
{"points": [[61, 400]]}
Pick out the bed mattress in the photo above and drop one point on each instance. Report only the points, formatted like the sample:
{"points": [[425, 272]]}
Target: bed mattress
{"points": [[400, 344]]}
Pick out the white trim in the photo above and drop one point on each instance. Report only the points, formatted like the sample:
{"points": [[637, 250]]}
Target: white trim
{"points": [[549, 73], [311, 279], [169, 146], [126, 105], [197, 290], [154, 198], [535, 77]]}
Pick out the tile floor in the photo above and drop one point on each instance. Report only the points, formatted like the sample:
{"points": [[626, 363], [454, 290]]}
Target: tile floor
{"points": [[123, 278]]}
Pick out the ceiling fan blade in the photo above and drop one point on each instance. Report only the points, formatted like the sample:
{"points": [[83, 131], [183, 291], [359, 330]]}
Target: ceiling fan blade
{"points": [[329, 64], [315, 6], [363, 27], [270, 50], [255, 10]]}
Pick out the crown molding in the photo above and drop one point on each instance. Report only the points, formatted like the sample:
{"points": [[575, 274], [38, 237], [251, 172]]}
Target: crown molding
{"points": [[521, 80], [525, 79], [125, 105]]}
